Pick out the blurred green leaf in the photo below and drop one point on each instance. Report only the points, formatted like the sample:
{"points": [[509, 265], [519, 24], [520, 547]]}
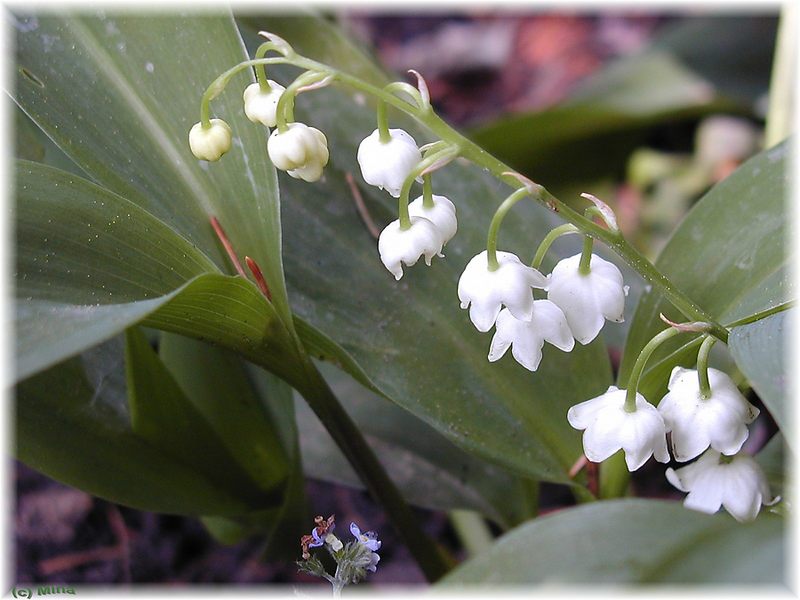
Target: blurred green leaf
{"points": [[698, 67], [164, 417], [118, 94], [217, 387], [772, 459], [410, 340], [428, 469], [631, 541], [729, 254], [253, 415], [74, 425], [760, 351]]}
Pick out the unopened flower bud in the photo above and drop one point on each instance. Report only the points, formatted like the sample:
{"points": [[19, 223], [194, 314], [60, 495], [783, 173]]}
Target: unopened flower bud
{"points": [[210, 143], [301, 151], [260, 105]]}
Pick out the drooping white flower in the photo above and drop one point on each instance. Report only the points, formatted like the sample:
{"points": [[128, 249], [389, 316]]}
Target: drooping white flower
{"points": [[399, 247], [260, 105], [442, 214], [212, 142], [719, 421], [484, 292], [526, 338], [739, 485], [587, 300], [301, 151], [609, 428], [387, 164]]}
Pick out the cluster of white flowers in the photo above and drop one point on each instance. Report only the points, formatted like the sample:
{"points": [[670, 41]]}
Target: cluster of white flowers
{"points": [[387, 165], [714, 425], [703, 412], [576, 307]]}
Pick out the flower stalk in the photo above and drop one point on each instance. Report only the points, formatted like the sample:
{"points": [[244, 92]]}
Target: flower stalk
{"points": [[702, 366]]}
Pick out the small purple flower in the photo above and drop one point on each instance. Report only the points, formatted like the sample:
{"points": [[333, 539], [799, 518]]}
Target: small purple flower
{"points": [[369, 538]]}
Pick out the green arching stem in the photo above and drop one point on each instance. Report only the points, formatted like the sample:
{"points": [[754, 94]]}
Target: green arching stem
{"points": [[702, 366], [447, 153], [494, 226], [261, 74], [548, 240], [427, 191], [586, 256], [284, 111], [641, 361]]}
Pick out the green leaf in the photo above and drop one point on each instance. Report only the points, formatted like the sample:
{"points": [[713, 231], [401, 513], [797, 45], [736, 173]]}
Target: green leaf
{"points": [[90, 264], [772, 459], [614, 111], [760, 350], [73, 424], [252, 414], [163, 415], [410, 340], [732, 272], [631, 541], [118, 94], [428, 469]]}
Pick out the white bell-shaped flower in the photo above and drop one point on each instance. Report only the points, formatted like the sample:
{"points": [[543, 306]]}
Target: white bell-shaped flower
{"points": [[526, 338], [212, 142], [609, 428], [738, 484], [301, 151], [696, 423], [442, 214], [260, 105], [587, 300], [387, 164], [485, 292], [399, 247]]}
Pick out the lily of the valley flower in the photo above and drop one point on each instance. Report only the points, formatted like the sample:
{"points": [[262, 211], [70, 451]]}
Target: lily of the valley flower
{"points": [[526, 338], [387, 164], [609, 428], [301, 151], [398, 247], [485, 292], [260, 105], [738, 484], [587, 300], [719, 421], [442, 214], [210, 143]]}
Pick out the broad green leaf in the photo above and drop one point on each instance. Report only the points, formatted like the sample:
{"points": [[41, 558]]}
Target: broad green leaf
{"points": [[760, 350], [677, 78], [631, 541], [253, 415], [73, 424], [729, 255], [163, 416], [119, 93], [410, 339], [428, 469], [90, 263], [218, 387]]}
